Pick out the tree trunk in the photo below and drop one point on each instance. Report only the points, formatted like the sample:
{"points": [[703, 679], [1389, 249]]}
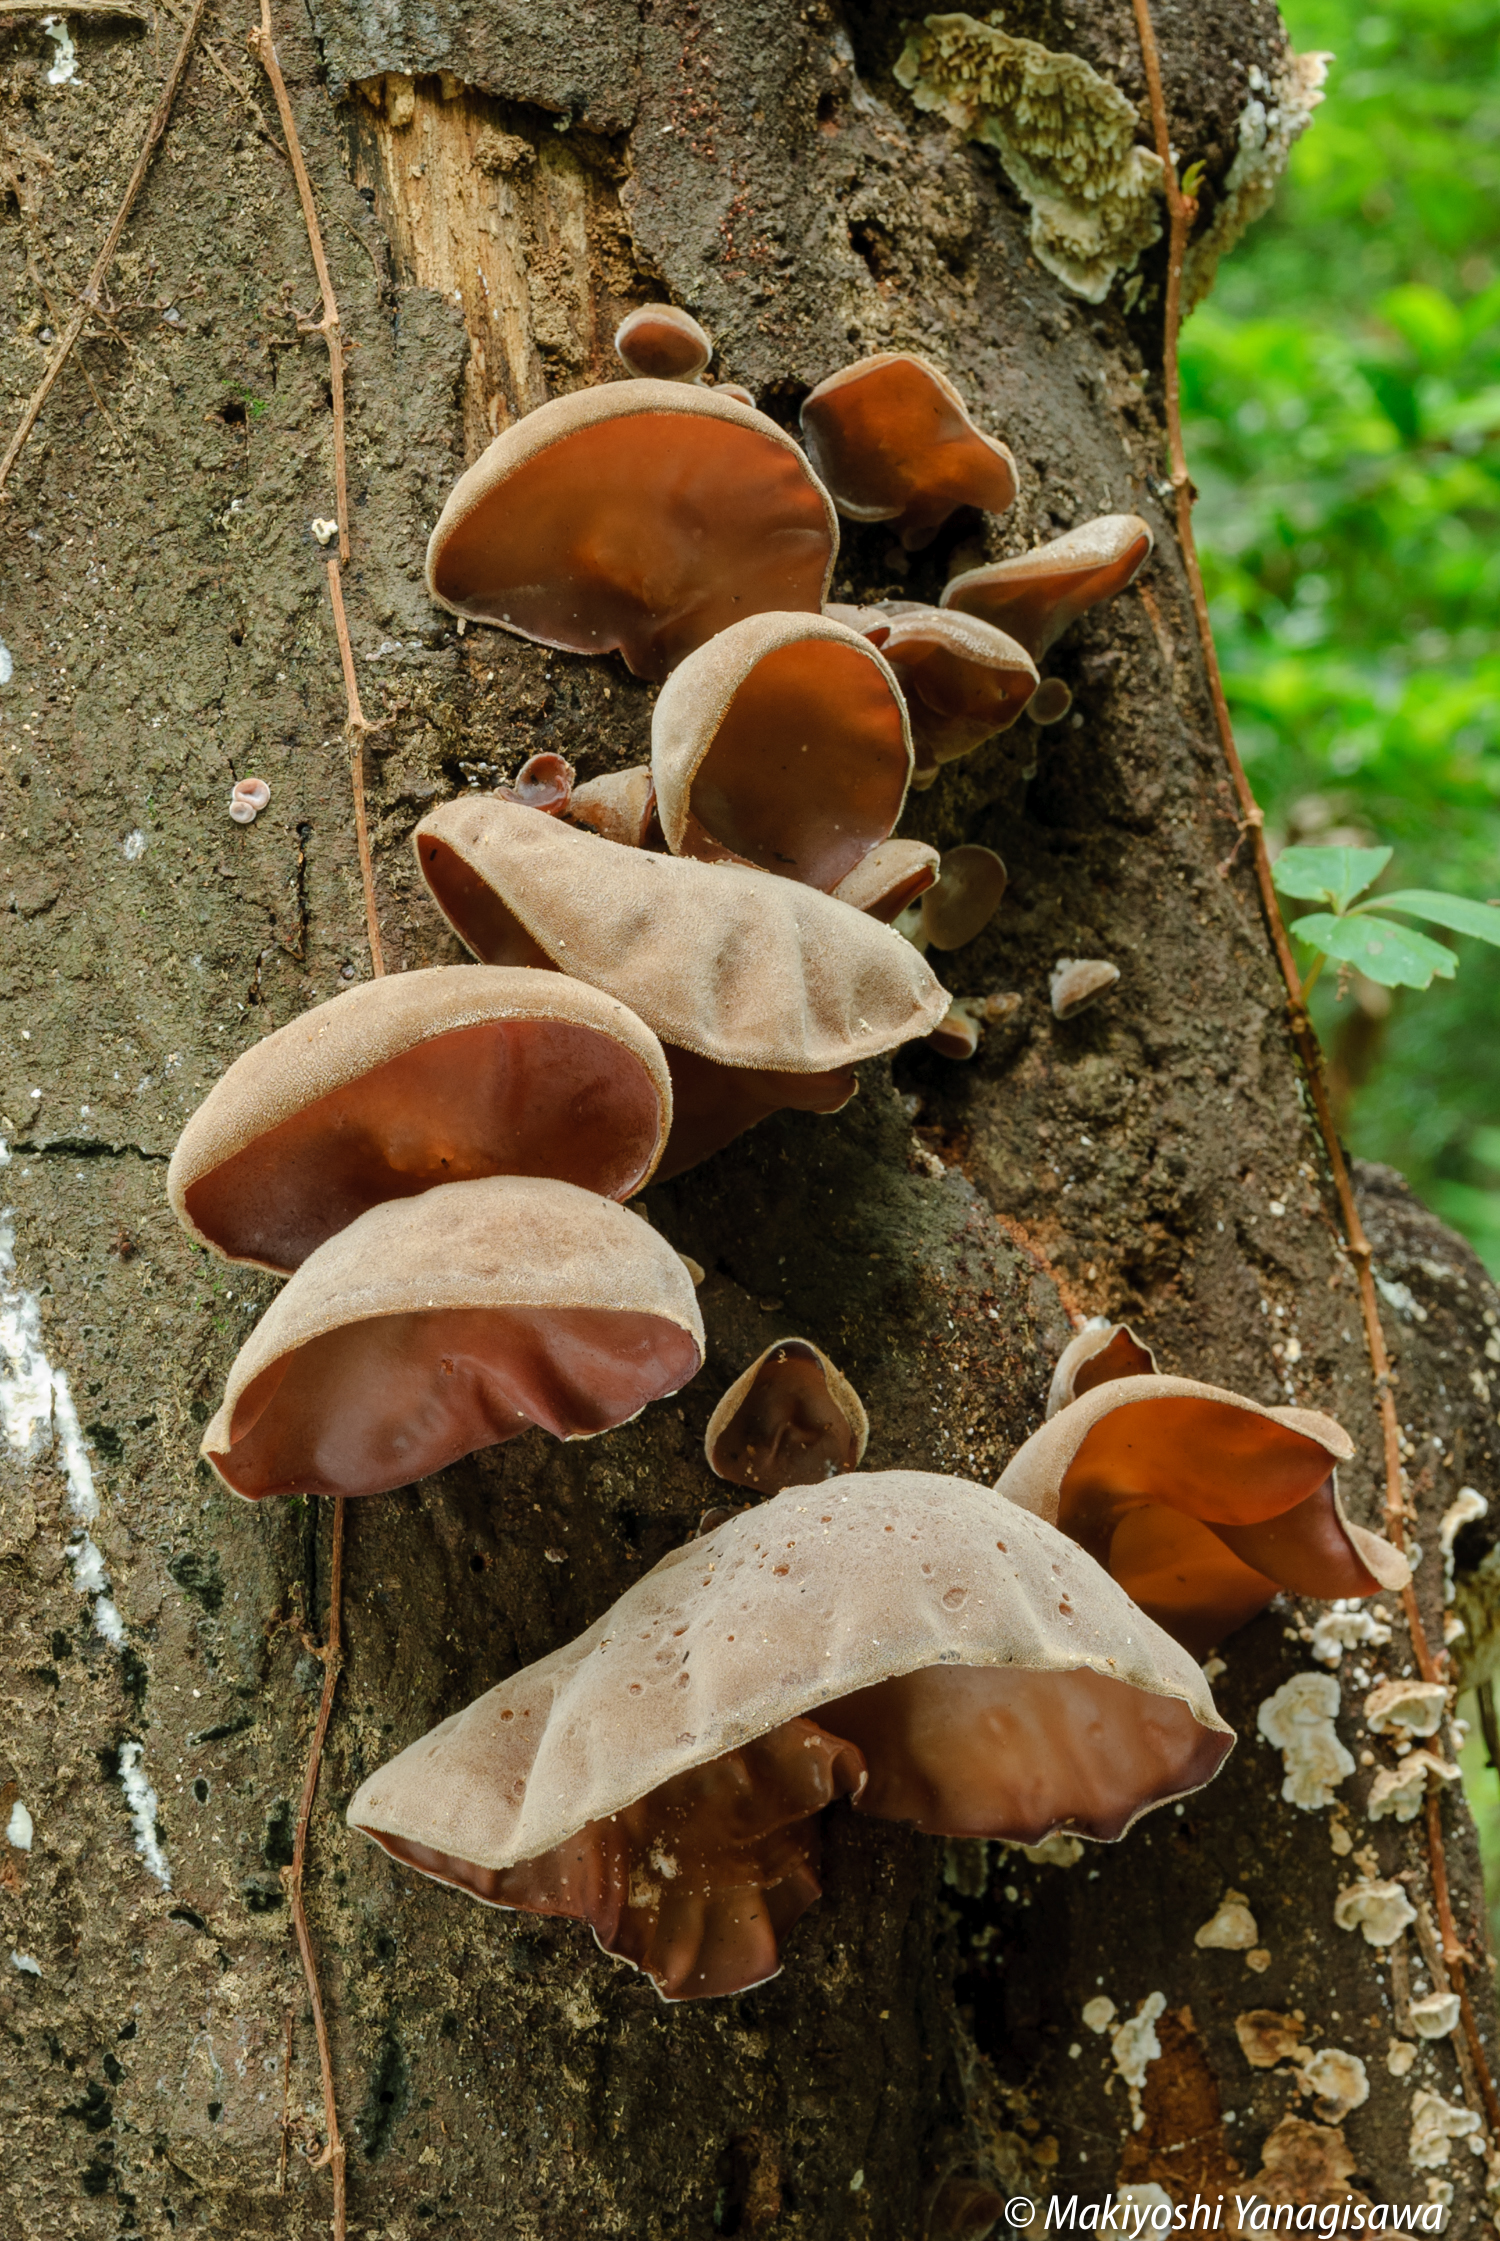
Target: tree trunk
{"points": [[497, 185]]}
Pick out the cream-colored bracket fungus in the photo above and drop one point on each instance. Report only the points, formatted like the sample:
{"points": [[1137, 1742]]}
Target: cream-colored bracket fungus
{"points": [[790, 1419], [767, 993], [637, 518], [892, 439], [418, 1079], [437, 1325], [1035, 596], [908, 1641], [1201, 1503], [781, 743]]}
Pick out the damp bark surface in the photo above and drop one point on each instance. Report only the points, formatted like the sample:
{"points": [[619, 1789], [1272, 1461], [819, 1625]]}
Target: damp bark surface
{"points": [[497, 186]]}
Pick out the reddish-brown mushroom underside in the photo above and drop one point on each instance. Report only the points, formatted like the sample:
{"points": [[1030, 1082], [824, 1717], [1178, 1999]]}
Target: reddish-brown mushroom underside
{"points": [[782, 743], [1200, 1503], [415, 1080], [641, 517], [893, 441], [1035, 596], [905, 1640], [791, 1419], [437, 1325]]}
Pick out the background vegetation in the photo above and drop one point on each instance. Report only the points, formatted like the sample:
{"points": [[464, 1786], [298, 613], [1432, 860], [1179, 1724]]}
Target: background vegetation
{"points": [[1343, 388]]}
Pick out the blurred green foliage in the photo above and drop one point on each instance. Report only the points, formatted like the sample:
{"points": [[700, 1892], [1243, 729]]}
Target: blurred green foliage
{"points": [[1342, 393]]}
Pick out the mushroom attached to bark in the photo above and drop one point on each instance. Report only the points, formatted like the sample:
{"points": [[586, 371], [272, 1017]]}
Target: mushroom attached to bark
{"points": [[620, 805], [1093, 1356], [657, 342], [1035, 596], [790, 1419], [641, 517], [898, 1638], [890, 879], [782, 743], [543, 782], [415, 1080], [957, 1033], [438, 1325], [963, 680], [1201, 1503], [969, 889], [1077, 982], [892, 439], [1050, 702], [768, 993]]}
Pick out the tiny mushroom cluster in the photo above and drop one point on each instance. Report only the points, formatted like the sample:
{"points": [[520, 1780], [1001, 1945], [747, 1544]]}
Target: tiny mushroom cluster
{"points": [[438, 1164]]}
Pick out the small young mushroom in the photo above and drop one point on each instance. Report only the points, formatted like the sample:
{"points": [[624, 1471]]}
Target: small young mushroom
{"points": [[738, 391], [767, 992], [660, 343], [437, 1325], [1201, 1503], [970, 885], [414, 1080], [781, 743], [1102, 1350], [621, 805], [1077, 982], [890, 879], [1050, 702], [957, 1033], [248, 799], [892, 439], [640, 517], [1035, 596], [901, 1639], [963, 680], [790, 1419], [543, 782]]}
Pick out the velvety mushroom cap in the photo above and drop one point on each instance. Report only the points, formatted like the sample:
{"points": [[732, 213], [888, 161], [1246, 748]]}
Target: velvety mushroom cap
{"points": [[890, 878], [414, 1080], [782, 743], [892, 439], [1077, 982], [1201, 1503], [1096, 1355], [660, 343], [437, 1325], [906, 1639], [755, 981], [641, 517], [970, 887], [790, 1419], [619, 806], [1035, 596], [963, 680]]}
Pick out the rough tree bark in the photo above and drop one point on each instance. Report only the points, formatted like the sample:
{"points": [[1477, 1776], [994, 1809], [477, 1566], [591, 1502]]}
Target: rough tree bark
{"points": [[498, 184]]}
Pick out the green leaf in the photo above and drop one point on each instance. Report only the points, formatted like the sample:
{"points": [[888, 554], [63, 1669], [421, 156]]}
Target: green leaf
{"points": [[1382, 950], [1456, 912], [1328, 875]]}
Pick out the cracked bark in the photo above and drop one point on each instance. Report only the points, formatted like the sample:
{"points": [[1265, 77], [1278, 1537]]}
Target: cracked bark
{"points": [[166, 608]]}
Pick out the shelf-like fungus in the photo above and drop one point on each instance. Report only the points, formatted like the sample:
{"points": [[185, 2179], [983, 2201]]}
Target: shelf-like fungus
{"points": [[1200, 1502], [904, 1640], [1035, 596], [781, 743], [415, 1080], [1093, 1356], [1077, 982], [964, 681], [438, 1325], [658, 342], [638, 518], [767, 992], [543, 782], [620, 806], [890, 879], [790, 1419], [892, 439], [969, 889]]}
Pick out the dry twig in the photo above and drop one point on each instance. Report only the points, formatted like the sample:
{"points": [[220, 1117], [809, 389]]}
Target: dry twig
{"points": [[89, 294], [356, 729], [263, 46], [1182, 211]]}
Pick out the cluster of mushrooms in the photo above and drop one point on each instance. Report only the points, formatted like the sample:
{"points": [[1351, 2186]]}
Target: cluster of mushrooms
{"points": [[440, 1163]]}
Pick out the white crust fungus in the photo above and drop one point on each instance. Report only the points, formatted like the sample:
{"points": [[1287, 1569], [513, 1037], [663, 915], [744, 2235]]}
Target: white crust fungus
{"points": [[1299, 1719], [1381, 1910]]}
